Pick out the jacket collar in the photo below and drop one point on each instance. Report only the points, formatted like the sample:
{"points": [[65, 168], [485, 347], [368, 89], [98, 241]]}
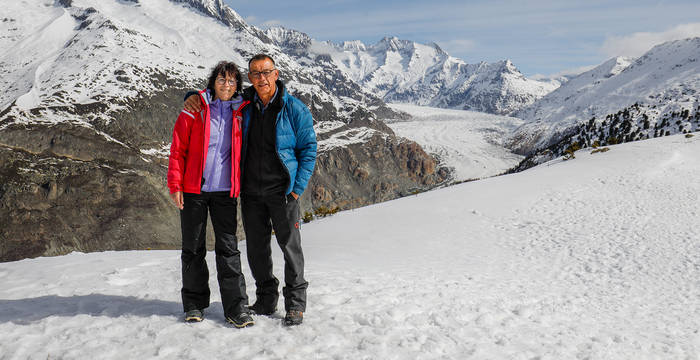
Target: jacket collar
{"points": [[249, 94]]}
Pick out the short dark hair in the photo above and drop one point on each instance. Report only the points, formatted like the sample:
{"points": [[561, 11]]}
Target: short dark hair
{"points": [[224, 68], [260, 57]]}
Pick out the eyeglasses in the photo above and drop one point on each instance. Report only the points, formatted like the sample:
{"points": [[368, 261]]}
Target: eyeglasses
{"points": [[222, 81], [257, 74]]}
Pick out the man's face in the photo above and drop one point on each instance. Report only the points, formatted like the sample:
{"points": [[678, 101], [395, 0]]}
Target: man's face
{"points": [[262, 74]]}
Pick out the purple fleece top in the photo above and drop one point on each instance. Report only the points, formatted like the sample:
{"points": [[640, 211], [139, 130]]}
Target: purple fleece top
{"points": [[217, 168]]}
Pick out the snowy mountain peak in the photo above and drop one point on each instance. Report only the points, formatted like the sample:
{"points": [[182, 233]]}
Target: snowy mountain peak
{"points": [[677, 45], [609, 68], [212, 7], [403, 71], [355, 45], [675, 53], [393, 44], [437, 48], [621, 63], [217, 10], [289, 39], [507, 67], [650, 90]]}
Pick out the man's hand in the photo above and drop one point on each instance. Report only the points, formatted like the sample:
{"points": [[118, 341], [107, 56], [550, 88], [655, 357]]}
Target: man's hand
{"points": [[178, 199], [295, 196], [193, 103]]}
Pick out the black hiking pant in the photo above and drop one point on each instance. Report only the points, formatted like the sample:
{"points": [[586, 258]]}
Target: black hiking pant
{"points": [[195, 274], [262, 214]]}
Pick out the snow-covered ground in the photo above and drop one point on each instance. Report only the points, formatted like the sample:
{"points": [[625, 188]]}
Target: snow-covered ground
{"points": [[470, 142], [597, 257]]}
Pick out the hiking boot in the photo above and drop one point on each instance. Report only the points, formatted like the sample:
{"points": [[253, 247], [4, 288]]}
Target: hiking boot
{"points": [[241, 320], [194, 315], [259, 309], [293, 317]]}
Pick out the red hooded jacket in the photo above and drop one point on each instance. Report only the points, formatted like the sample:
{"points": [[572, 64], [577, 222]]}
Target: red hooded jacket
{"points": [[188, 151]]}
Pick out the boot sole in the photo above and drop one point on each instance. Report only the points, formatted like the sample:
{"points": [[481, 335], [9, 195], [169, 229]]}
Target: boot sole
{"points": [[240, 326], [194, 319]]}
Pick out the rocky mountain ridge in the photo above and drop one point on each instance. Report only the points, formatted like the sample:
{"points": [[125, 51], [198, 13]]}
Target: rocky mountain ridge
{"points": [[621, 100], [404, 71]]}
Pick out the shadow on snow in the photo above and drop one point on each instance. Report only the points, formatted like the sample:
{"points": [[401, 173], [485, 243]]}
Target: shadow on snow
{"points": [[25, 311]]}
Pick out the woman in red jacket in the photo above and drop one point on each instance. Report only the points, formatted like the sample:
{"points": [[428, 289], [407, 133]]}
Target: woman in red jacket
{"points": [[204, 177]]}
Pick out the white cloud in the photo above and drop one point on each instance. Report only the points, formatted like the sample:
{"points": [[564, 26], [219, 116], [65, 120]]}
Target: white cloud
{"points": [[563, 73], [271, 23], [457, 46], [637, 44], [254, 20]]}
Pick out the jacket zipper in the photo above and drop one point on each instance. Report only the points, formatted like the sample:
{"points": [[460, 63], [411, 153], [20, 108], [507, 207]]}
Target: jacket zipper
{"points": [[277, 153], [203, 115], [237, 119]]}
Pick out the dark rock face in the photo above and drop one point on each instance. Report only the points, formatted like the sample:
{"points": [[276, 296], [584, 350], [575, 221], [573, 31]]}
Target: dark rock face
{"points": [[53, 205], [70, 187], [64, 3], [382, 169], [63, 140]]}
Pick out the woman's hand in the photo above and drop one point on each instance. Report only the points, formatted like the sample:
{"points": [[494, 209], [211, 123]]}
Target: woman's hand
{"points": [[193, 104], [178, 199]]}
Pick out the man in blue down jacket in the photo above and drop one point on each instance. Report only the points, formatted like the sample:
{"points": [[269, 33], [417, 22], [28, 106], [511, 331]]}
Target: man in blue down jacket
{"points": [[278, 158]]}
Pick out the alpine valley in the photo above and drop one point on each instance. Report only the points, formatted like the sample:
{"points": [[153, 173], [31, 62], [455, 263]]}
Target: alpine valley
{"points": [[90, 90]]}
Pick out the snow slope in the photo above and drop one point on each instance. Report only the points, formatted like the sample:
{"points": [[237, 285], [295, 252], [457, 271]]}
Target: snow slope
{"points": [[58, 56], [470, 142], [663, 81], [592, 258], [91, 42]]}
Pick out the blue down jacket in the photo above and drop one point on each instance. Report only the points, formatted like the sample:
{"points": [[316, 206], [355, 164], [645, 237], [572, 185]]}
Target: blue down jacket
{"points": [[295, 138]]}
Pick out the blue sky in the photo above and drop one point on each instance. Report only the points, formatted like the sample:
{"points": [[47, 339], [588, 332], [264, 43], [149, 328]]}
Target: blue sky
{"points": [[540, 37]]}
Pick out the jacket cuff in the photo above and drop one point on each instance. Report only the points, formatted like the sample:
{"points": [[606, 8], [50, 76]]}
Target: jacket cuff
{"points": [[190, 93], [298, 190]]}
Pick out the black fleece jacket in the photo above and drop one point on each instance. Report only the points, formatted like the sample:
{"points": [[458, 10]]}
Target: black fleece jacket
{"points": [[263, 172]]}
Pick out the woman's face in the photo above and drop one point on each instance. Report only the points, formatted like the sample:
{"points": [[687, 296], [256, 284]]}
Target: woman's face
{"points": [[224, 87]]}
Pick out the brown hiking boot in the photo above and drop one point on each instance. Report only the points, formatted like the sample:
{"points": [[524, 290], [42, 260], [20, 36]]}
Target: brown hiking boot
{"points": [[293, 317]]}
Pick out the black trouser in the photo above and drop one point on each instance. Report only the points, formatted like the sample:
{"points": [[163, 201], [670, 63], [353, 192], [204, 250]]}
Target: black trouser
{"points": [[195, 274], [283, 212]]}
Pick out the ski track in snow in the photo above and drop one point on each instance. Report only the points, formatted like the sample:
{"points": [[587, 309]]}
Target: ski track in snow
{"points": [[593, 258]]}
